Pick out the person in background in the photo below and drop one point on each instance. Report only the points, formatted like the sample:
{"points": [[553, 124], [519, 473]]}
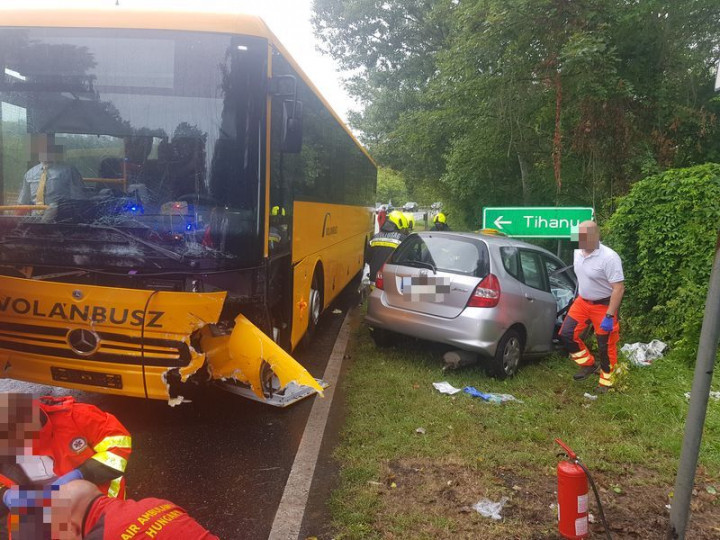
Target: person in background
{"points": [[600, 290], [440, 223], [381, 216]]}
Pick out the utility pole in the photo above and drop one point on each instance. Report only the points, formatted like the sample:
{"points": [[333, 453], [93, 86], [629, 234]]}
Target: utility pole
{"points": [[704, 365]]}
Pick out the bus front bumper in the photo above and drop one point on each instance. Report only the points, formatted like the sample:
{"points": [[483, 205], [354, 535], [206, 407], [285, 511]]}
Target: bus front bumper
{"points": [[133, 342]]}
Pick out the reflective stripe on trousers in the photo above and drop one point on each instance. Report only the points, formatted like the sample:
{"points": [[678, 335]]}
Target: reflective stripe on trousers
{"points": [[582, 313]]}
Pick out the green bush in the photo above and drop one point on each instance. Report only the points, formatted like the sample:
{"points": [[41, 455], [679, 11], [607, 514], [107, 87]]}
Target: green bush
{"points": [[665, 231]]}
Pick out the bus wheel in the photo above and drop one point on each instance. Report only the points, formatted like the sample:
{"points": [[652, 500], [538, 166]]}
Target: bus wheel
{"points": [[315, 303]]}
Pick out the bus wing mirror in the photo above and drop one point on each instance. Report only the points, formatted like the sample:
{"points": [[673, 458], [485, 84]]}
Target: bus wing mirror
{"points": [[292, 130]]}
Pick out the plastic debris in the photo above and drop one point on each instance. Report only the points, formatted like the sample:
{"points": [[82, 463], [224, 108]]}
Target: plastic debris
{"points": [[337, 311], [713, 395], [590, 396], [492, 398], [446, 388], [643, 354], [420, 431], [457, 359], [491, 509]]}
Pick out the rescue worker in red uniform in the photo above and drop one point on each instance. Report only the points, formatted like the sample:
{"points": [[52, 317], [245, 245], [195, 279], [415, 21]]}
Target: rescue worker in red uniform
{"points": [[80, 511], [600, 290], [52, 441], [84, 442]]}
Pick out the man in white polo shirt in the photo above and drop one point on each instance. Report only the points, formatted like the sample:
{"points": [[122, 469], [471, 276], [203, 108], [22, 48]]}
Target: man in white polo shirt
{"points": [[600, 291]]}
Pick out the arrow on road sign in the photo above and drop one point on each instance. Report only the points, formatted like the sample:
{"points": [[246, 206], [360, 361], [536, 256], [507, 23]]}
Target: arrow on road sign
{"points": [[499, 223]]}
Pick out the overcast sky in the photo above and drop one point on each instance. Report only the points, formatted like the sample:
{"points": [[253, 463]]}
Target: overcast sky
{"points": [[288, 19]]}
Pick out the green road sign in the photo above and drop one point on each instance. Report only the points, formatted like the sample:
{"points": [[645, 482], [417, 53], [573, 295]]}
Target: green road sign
{"points": [[535, 222]]}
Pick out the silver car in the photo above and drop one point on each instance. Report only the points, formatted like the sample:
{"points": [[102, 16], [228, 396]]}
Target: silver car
{"points": [[485, 293]]}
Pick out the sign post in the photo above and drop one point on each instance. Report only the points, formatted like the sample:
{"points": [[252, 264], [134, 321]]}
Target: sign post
{"points": [[699, 397], [536, 222]]}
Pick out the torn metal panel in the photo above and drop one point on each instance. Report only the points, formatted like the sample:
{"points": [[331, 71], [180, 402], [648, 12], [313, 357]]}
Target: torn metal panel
{"points": [[241, 356], [292, 393]]}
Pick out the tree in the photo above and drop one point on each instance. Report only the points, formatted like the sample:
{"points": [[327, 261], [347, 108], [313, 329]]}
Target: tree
{"points": [[510, 102], [391, 187]]}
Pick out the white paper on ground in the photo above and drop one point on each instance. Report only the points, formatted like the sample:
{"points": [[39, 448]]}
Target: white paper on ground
{"points": [[446, 388]]}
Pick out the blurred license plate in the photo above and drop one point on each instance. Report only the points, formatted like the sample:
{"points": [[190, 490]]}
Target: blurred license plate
{"points": [[425, 288], [92, 378]]}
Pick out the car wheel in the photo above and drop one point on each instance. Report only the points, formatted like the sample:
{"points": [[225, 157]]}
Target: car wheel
{"points": [[507, 356], [383, 338]]}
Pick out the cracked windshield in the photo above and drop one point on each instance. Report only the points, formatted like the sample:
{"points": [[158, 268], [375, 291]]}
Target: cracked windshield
{"points": [[116, 153]]}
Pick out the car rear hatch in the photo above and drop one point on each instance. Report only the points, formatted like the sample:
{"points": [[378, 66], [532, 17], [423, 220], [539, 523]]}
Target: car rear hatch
{"points": [[435, 273]]}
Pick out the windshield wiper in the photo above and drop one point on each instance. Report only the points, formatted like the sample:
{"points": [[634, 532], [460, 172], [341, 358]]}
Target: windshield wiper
{"points": [[422, 264], [158, 249]]}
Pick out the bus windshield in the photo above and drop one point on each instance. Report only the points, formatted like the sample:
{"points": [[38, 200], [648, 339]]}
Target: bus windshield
{"points": [[131, 149]]}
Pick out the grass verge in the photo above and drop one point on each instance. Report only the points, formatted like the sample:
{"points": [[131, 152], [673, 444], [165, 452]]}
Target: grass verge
{"points": [[398, 483]]}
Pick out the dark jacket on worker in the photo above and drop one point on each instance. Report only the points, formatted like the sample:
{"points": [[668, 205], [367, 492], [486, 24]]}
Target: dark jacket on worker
{"points": [[439, 226], [382, 245]]}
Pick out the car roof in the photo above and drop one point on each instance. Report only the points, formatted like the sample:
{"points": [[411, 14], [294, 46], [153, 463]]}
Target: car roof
{"points": [[490, 239]]}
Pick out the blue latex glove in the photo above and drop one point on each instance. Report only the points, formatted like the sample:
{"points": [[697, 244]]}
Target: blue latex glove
{"points": [[474, 392], [607, 324], [11, 497], [67, 477]]}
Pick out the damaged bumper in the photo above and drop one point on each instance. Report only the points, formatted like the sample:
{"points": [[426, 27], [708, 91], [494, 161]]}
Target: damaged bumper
{"points": [[133, 342]]}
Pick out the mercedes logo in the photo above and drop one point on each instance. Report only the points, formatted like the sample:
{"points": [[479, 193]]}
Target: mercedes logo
{"points": [[83, 342]]}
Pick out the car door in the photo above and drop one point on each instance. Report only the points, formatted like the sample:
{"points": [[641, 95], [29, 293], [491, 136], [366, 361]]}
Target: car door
{"points": [[540, 306], [563, 286]]}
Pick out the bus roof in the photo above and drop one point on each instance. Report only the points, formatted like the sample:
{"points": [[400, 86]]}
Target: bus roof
{"points": [[222, 22]]}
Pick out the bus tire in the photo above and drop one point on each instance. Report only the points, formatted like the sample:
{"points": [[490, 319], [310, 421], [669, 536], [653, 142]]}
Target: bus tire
{"points": [[315, 304]]}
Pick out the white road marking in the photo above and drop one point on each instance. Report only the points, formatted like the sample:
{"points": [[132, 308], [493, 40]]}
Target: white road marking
{"points": [[290, 512]]}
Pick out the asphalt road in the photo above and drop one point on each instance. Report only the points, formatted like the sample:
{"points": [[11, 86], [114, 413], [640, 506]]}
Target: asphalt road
{"points": [[224, 459]]}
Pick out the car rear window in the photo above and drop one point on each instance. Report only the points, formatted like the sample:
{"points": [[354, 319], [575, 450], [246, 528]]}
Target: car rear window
{"points": [[456, 255]]}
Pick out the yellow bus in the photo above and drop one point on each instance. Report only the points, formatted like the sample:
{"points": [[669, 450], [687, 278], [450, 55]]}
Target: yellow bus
{"points": [[178, 203]]}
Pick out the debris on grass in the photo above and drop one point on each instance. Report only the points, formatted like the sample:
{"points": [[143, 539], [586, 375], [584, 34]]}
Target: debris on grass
{"points": [[420, 431], [713, 395], [590, 396], [491, 509], [446, 388], [643, 354], [457, 359], [492, 398]]}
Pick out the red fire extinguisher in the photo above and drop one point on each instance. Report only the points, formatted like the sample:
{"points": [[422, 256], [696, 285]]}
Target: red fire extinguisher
{"points": [[573, 497]]}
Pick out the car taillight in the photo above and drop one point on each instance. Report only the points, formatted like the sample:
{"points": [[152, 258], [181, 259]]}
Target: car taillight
{"points": [[379, 279], [487, 293]]}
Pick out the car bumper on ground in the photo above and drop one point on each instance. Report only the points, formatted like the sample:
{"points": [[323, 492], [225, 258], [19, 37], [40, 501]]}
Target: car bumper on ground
{"points": [[475, 329]]}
